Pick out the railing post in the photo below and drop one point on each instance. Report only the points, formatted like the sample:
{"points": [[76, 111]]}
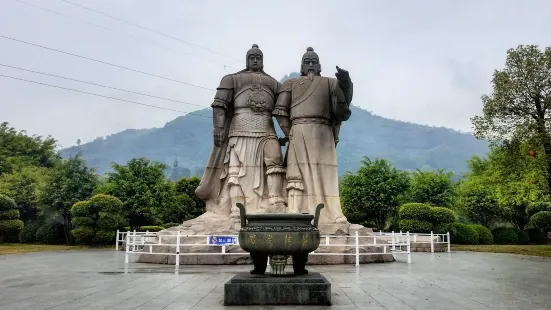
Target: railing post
{"points": [[409, 248], [326, 240], [393, 241], [357, 250], [449, 245], [223, 249], [134, 241], [414, 238], [431, 242], [127, 248], [117, 241], [178, 249]]}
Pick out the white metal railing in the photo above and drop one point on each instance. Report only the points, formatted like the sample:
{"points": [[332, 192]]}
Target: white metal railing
{"points": [[422, 238], [144, 243], [379, 237]]}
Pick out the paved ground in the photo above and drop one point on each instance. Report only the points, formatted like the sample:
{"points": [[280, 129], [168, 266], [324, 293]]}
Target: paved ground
{"points": [[101, 280]]}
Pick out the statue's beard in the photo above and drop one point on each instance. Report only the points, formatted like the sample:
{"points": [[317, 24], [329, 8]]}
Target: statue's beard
{"points": [[311, 74]]}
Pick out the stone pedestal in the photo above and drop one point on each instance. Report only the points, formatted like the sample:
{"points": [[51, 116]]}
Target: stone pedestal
{"points": [[245, 289]]}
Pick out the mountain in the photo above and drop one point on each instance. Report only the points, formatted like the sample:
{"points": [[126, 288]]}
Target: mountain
{"points": [[187, 140]]}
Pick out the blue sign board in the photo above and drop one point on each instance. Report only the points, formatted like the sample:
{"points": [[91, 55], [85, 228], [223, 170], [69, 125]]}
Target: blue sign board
{"points": [[221, 240]]}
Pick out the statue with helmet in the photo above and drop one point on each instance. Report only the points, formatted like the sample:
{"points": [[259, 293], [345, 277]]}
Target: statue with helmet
{"points": [[314, 109], [246, 163]]}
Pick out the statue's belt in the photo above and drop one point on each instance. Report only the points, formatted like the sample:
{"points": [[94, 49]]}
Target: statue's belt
{"points": [[310, 120]]}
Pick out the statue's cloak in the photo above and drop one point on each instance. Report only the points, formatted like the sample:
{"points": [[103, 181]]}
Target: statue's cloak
{"points": [[211, 185]]}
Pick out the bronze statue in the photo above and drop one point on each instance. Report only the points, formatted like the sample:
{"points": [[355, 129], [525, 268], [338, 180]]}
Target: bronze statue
{"points": [[246, 162], [315, 107]]}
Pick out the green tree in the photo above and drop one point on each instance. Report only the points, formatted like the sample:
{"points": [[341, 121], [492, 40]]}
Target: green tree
{"points": [[17, 150], [433, 187], [519, 105], [26, 187], [478, 202], [373, 192], [143, 189], [71, 181], [186, 187]]}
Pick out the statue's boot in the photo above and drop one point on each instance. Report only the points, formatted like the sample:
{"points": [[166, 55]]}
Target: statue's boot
{"points": [[295, 200], [275, 185]]}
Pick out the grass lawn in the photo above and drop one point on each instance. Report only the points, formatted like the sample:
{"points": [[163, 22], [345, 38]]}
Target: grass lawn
{"points": [[17, 248], [535, 250]]}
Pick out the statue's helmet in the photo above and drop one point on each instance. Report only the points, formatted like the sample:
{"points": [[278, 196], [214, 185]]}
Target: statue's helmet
{"points": [[254, 51], [310, 61]]}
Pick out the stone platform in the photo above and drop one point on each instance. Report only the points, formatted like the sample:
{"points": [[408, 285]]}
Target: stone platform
{"points": [[245, 289]]}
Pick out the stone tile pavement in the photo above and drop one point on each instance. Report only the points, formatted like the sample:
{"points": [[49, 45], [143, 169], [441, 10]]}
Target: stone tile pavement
{"points": [[101, 280]]}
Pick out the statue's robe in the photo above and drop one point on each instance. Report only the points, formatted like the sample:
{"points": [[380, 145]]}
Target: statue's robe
{"points": [[316, 107], [249, 137]]}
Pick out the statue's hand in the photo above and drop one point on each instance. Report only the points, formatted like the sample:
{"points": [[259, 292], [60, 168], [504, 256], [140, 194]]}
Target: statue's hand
{"points": [[218, 135], [342, 75], [283, 141]]}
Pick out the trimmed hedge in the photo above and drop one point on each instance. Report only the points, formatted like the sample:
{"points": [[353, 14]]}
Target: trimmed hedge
{"points": [[504, 235], [415, 226], [28, 234], [415, 211], [96, 220], [463, 234], [50, 233], [147, 228], [483, 233], [9, 215], [522, 236], [539, 206], [10, 225], [168, 225], [6, 203], [536, 235], [541, 219], [440, 215]]}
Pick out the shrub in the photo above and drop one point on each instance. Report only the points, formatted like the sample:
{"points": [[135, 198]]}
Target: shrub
{"points": [[9, 215], [6, 203], [440, 215], [504, 235], [147, 228], [168, 225], [415, 211], [484, 234], [28, 233], [96, 220], [443, 228], [522, 236], [50, 233], [536, 235], [541, 219], [415, 226], [539, 206], [10, 225], [104, 237], [463, 234], [83, 235], [9, 230]]}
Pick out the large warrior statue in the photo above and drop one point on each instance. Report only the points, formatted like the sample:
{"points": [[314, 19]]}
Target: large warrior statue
{"points": [[316, 106], [246, 163]]}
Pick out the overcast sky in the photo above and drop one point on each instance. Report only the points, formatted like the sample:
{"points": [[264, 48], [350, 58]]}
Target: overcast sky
{"points": [[426, 62]]}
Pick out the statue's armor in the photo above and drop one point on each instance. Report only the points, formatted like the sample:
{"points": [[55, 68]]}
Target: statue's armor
{"points": [[310, 102], [253, 100]]}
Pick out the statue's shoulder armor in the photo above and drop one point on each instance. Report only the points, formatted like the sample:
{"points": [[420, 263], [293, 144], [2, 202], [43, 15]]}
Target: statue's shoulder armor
{"points": [[288, 85], [226, 82]]}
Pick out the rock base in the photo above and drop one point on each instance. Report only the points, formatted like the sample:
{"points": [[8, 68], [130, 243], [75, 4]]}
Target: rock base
{"points": [[245, 289]]}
